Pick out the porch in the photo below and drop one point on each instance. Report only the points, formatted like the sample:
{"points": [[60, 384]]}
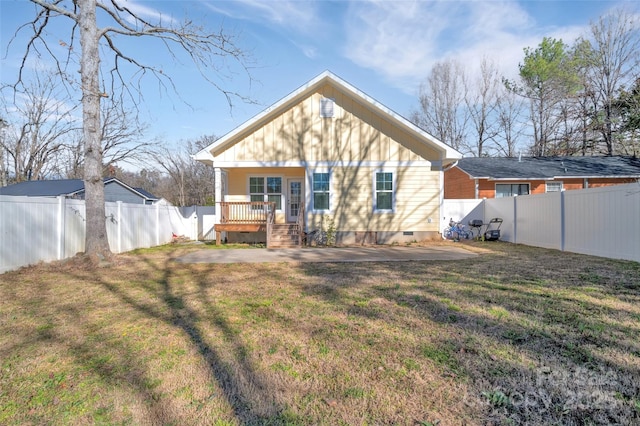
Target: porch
{"points": [[260, 216]]}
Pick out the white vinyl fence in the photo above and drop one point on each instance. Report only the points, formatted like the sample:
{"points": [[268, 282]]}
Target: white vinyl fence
{"points": [[35, 229], [596, 221]]}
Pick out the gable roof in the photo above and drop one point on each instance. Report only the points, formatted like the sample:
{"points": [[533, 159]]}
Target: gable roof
{"points": [[545, 168], [66, 187], [204, 155]]}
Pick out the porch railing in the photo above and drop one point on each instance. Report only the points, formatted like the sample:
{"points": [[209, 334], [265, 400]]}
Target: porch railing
{"points": [[246, 211]]}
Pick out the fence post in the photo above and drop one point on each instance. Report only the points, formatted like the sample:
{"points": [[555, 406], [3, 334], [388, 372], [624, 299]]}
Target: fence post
{"points": [[563, 231], [515, 219], [194, 228], [119, 224], [157, 206], [61, 226]]}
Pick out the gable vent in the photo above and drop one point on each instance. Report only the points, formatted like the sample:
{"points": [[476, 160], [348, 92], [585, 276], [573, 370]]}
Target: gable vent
{"points": [[326, 107]]}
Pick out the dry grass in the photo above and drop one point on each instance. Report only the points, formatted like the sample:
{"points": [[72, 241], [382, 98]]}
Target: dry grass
{"points": [[516, 336]]}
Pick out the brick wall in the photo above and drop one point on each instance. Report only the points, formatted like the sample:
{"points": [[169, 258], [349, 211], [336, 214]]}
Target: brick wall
{"points": [[458, 185]]}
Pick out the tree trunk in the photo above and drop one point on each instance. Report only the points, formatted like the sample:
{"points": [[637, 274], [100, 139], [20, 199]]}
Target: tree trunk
{"points": [[96, 242]]}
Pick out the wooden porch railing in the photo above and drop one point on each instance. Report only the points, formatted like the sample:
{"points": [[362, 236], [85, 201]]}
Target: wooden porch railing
{"points": [[244, 216], [246, 212]]}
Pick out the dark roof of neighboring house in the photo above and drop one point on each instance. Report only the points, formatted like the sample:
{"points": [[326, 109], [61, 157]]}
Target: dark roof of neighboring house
{"points": [[496, 168], [146, 194], [66, 187], [44, 188]]}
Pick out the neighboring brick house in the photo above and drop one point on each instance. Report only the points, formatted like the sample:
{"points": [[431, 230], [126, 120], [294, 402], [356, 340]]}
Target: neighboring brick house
{"points": [[492, 177]]}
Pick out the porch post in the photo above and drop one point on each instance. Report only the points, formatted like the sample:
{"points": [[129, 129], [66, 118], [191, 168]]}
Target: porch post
{"points": [[217, 177]]}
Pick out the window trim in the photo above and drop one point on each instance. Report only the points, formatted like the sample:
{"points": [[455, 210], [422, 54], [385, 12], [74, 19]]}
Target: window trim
{"points": [[313, 192], [546, 186], [392, 191], [265, 194], [511, 184]]}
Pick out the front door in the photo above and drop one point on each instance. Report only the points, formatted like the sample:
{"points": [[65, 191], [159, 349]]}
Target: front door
{"points": [[294, 199]]}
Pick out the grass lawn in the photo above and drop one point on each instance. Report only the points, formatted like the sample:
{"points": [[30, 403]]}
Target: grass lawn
{"points": [[518, 335]]}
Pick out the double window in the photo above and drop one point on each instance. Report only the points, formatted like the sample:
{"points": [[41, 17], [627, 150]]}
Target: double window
{"points": [[511, 189], [383, 191], [267, 188]]}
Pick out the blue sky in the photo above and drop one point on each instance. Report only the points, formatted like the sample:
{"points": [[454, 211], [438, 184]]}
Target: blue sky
{"points": [[384, 48]]}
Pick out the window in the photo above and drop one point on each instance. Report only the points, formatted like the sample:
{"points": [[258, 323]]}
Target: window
{"points": [[321, 191], [554, 186], [326, 107], [384, 191], [511, 189], [266, 189]]}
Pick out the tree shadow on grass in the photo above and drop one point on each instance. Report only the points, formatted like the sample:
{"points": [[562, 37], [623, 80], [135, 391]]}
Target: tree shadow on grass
{"points": [[556, 353], [244, 389], [156, 296]]}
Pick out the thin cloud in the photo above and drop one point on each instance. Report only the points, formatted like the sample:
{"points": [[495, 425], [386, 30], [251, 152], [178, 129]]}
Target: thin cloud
{"points": [[299, 16], [403, 40], [150, 14]]}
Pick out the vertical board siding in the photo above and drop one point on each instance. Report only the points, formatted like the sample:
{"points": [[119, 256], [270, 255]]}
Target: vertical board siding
{"points": [[41, 229], [355, 133]]}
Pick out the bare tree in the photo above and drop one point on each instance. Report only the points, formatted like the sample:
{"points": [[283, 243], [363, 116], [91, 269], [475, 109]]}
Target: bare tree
{"points": [[4, 172], [509, 111], [209, 51], [482, 106], [122, 137], [613, 58], [43, 116], [443, 111], [192, 182]]}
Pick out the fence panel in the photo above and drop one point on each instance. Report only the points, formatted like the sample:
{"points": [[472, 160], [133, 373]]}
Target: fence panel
{"points": [[604, 221], [74, 217], [539, 220], [504, 209], [28, 230], [461, 211], [36, 229], [130, 226], [206, 220]]}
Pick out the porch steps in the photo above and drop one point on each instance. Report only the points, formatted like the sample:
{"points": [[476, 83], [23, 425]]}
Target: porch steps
{"points": [[284, 235]]}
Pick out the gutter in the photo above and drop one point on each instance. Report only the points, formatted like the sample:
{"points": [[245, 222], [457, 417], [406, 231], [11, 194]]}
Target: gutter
{"points": [[450, 166]]}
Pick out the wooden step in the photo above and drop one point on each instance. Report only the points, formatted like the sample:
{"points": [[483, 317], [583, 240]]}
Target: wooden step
{"points": [[284, 235]]}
